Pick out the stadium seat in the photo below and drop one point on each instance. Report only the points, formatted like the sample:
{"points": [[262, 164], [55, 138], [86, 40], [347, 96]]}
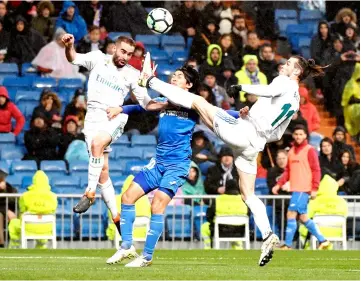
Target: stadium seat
{"points": [[165, 69], [306, 52], [144, 140], [172, 49], [172, 41], [114, 35], [27, 107], [66, 184], [65, 226], [13, 84], [27, 69], [160, 56], [23, 167], [153, 94], [20, 138], [285, 14], [73, 83], [92, 222], [83, 182], [44, 82], [304, 42], [199, 217], [134, 153], [261, 183], [8, 138], [53, 168], [180, 57], [9, 68], [26, 182], [283, 24], [148, 40], [118, 183], [15, 181], [16, 153], [149, 152], [189, 42], [133, 167], [315, 140], [310, 15], [4, 166], [122, 141], [27, 96], [78, 168], [116, 168], [299, 29], [178, 222]]}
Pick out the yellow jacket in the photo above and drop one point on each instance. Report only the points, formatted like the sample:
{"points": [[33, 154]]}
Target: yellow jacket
{"points": [[243, 77], [142, 209]]}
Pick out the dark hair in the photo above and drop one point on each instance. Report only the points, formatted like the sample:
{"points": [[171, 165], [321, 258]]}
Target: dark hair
{"points": [[284, 151], [309, 67], [328, 140], [300, 127], [192, 77], [351, 162], [266, 45], [319, 26], [93, 27], [211, 98], [127, 40]]}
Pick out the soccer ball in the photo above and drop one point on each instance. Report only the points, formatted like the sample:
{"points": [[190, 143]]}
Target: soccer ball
{"points": [[160, 20]]}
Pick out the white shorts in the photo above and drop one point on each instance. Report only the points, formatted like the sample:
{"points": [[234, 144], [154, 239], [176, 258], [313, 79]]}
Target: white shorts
{"points": [[96, 121], [238, 134]]}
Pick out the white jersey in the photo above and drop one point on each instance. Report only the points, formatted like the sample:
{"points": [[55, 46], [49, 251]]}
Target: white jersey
{"points": [[109, 85], [276, 105]]}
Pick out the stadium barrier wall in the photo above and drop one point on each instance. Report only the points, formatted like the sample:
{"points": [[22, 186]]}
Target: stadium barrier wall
{"points": [[182, 227]]}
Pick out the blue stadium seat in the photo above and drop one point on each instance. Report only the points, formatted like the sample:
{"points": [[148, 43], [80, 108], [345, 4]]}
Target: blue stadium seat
{"points": [[261, 183], [114, 35], [149, 152], [44, 82], [78, 168], [172, 49], [199, 217], [285, 14], [179, 56], [20, 139], [306, 52], [178, 221], [66, 184], [153, 94], [23, 167], [172, 40], [299, 29], [144, 140], [18, 83], [4, 166], [83, 181], [8, 68], [304, 42], [7, 138], [116, 168], [134, 153], [73, 83], [92, 223], [65, 226], [283, 24], [315, 140], [15, 181], [148, 40], [16, 153], [53, 168], [133, 167], [165, 69], [122, 141], [27, 96], [160, 57], [189, 42], [27, 107], [27, 69], [118, 183], [26, 182], [313, 15]]}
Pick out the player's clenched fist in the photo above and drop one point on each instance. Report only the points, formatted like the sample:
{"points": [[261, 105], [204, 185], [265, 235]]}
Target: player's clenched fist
{"points": [[68, 40]]}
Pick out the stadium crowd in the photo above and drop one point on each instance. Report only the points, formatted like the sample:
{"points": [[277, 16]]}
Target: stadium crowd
{"points": [[230, 45]]}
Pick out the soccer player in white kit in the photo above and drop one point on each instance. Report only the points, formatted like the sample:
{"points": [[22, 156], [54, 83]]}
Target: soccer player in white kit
{"points": [[110, 80], [265, 122]]}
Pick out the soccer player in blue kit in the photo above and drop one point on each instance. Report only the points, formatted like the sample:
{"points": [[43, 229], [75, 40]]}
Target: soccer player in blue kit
{"points": [[167, 172]]}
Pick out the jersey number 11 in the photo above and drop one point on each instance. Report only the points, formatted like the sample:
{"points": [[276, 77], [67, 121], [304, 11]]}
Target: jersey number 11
{"points": [[285, 111]]}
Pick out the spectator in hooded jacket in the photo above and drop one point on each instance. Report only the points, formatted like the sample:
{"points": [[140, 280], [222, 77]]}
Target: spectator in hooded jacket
{"points": [[4, 41], [328, 161], [193, 185], [42, 22], [203, 152], [70, 132], [187, 19], [213, 62], [24, 42], [41, 141], [321, 42], [344, 17], [267, 63], [239, 32], [309, 111], [339, 142], [77, 107], [49, 107], [71, 21], [9, 110]]}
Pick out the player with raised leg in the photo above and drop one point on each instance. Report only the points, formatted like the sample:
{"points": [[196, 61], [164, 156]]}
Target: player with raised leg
{"points": [[110, 80], [265, 122]]}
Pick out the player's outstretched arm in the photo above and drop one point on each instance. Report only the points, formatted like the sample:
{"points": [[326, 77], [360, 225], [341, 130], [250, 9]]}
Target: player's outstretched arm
{"points": [[272, 90], [68, 41]]}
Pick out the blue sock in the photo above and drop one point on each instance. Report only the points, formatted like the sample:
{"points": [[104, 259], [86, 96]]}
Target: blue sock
{"points": [[127, 218], [155, 230], [312, 227], [290, 231]]}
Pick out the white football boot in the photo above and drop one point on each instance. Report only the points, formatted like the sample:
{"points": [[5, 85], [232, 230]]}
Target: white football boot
{"points": [[122, 254], [139, 262], [147, 71], [267, 249]]}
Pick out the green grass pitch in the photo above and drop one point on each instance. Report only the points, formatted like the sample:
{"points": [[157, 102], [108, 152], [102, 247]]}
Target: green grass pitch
{"points": [[180, 265]]}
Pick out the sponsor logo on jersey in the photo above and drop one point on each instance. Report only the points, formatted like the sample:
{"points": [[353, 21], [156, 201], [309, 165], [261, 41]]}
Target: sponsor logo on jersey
{"points": [[176, 113], [111, 84]]}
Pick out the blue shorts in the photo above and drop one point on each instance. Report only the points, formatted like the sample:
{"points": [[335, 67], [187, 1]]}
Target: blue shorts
{"points": [[167, 177], [298, 203]]}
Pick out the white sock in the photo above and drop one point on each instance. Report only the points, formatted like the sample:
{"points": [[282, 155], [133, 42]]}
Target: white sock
{"points": [[259, 212], [108, 194], [95, 168], [175, 95]]}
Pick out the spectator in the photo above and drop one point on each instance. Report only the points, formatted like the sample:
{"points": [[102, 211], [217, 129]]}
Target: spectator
{"points": [[207, 36], [187, 19], [24, 42], [218, 174], [253, 44], [228, 204], [309, 111], [250, 74], [351, 40], [193, 185], [250, 101], [269, 153], [4, 41], [49, 107], [346, 170], [227, 77], [91, 11], [351, 104], [203, 153], [7, 209], [297, 119], [328, 161], [239, 32], [41, 141], [339, 142], [51, 60], [91, 42], [77, 107], [303, 172], [206, 92], [138, 57], [132, 14], [213, 62], [229, 50], [71, 21], [344, 17], [9, 110], [4, 16], [220, 93], [70, 133], [109, 47], [267, 64], [40, 200], [321, 42], [42, 22], [212, 11]]}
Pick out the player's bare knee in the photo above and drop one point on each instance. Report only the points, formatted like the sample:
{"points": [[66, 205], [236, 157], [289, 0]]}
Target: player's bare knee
{"points": [[303, 218], [158, 206], [127, 198]]}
